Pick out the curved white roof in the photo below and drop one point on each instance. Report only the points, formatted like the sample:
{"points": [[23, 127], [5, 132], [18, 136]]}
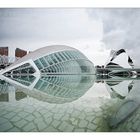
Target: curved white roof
{"points": [[42, 52]]}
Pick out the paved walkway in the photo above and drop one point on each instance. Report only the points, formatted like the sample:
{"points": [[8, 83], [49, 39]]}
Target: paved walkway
{"points": [[31, 116]]}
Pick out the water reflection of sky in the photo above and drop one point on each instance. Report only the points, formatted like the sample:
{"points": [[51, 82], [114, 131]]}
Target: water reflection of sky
{"points": [[80, 101]]}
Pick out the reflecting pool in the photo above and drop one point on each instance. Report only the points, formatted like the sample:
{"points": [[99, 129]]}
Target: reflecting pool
{"points": [[69, 103]]}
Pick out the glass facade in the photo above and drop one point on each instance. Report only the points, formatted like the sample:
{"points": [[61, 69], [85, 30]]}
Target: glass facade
{"points": [[22, 74], [64, 62], [65, 86], [23, 69], [3, 87], [68, 62], [26, 80]]}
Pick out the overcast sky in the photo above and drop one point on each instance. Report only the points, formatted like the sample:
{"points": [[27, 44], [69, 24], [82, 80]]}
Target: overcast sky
{"points": [[93, 31]]}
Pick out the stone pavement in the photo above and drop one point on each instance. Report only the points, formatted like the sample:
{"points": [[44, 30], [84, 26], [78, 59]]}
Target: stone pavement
{"points": [[33, 116]]}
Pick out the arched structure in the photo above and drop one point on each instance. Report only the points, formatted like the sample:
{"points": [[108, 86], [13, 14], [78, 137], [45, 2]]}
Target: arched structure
{"points": [[55, 59]]}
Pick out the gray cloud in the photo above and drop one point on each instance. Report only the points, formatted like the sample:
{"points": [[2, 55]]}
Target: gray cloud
{"points": [[22, 27], [33, 28], [121, 29], [46, 24]]}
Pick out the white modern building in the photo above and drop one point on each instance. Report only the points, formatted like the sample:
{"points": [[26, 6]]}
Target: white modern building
{"points": [[55, 59], [55, 73]]}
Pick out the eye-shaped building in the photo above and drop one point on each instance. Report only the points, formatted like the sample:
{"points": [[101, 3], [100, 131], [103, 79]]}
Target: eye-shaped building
{"points": [[55, 59]]}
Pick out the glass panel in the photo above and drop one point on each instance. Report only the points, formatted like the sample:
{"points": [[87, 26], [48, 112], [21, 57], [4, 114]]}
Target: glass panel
{"points": [[44, 86], [38, 84], [58, 58], [38, 64], [53, 58], [57, 68], [73, 54], [43, 62], [64, 53], [49, 60], [26, 68], [62, 57], [61, 67], [69, 55]]}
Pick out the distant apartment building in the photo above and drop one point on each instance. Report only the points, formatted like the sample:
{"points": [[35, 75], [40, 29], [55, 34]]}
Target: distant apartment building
{"points": [[6, 60], [3, 57], [4, 51], [19, 53]]}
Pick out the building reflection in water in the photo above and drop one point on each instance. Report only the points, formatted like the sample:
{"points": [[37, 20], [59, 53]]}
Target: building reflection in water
{"points": [[50, 88], [59, 89], [9, 93], [62, 75], [4, 91], [128, 91]]}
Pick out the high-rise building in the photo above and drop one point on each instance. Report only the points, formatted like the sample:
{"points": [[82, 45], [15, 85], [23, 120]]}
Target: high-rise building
{"points": [[3, 57], [20, 53], [4, 51]]}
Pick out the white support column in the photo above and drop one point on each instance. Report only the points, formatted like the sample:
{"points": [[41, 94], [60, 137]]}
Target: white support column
{"points": [[11, 93]]}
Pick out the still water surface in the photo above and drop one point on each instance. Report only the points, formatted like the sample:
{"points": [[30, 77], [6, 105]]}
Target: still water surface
{"points": [[69, 103]]}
